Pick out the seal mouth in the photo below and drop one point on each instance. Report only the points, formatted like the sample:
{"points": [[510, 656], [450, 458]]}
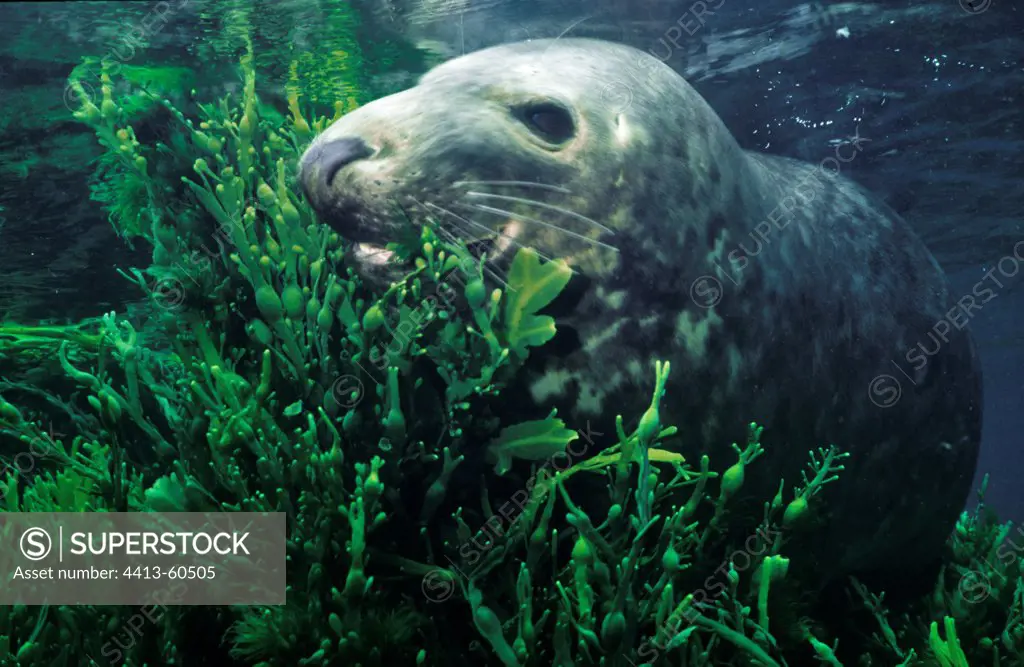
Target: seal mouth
{"points": [[381, 263], [371, 254], [376, 255]]}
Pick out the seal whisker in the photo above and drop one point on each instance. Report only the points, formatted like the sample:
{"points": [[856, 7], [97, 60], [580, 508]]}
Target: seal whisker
{"points": [[485, 228], [447, 212], [452, 238], [550, 207], [525, 184], [455, 241], [567, 31], [438, 226], [523, 218], [442, 209]]}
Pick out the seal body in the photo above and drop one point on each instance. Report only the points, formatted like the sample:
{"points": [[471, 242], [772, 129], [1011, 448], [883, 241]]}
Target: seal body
{"points": [[781, 292]]}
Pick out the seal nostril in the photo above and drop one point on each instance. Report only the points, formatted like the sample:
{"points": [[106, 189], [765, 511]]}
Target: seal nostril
{"points": [[337, 154]]}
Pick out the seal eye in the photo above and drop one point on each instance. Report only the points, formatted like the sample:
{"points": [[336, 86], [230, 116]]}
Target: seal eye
{"points": [[550, 121]]}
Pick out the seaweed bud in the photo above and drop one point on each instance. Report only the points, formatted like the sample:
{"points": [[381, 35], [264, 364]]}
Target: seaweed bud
{"points": [[475, 293], [294, 303], [795, 511], [266, 195], [732, 479], [581, 552], [269, 303], [612, 629], [9, 412], [373, 319], [670, 561]]}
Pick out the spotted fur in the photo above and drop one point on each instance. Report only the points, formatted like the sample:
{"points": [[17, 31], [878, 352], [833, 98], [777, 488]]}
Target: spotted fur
{"points": [[787, 327]]}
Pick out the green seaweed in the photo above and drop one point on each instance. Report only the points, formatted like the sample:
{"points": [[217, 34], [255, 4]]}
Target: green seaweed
{"points": [[533, 286], [533, 441], [263, 375]]}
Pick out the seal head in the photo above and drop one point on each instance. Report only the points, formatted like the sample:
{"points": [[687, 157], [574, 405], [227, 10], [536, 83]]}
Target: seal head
{"points": [[517, 146]]}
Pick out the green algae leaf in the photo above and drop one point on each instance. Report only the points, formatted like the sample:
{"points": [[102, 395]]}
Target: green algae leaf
{"points": [[532, 441], [531, 287], [157, 80], [293, 410], [166, 495], [347, 314], [601, 461]]}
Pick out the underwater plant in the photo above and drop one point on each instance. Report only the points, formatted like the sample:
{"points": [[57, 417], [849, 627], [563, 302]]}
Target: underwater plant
{"points": [[265, 376]]}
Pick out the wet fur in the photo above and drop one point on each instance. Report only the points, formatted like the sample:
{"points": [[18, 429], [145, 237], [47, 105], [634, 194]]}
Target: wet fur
{"points": [[825, 305]]}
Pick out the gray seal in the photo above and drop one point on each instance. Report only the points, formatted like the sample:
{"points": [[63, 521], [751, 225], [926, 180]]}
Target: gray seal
{"points": [[781, 292]]}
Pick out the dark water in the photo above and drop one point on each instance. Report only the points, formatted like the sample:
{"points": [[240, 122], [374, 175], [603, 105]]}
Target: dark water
{"points": [[935, 88]]}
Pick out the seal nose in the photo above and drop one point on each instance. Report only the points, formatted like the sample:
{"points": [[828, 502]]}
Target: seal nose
{"points": [[331, 157]]}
